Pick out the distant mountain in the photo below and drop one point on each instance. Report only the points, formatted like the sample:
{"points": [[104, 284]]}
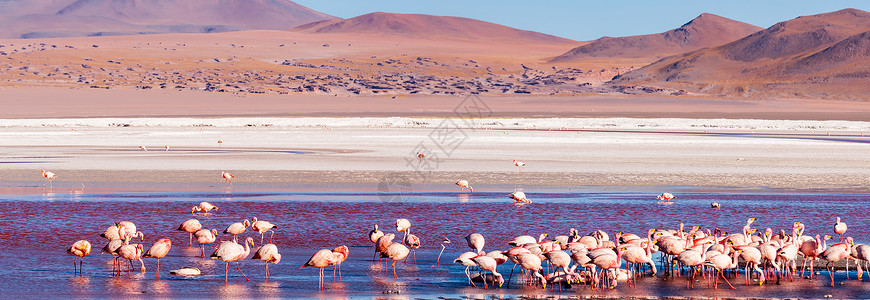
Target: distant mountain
{"points": [[50, 18], [426, 26], [707, 30], [818, 55]]}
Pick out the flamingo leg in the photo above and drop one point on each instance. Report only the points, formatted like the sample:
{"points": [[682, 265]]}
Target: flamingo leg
{"points": [[202, 250], [158, 268], [395, 276], [267, 270], [726, 279], [511, 276], [272, 235], [226, 273], [240, 271]]}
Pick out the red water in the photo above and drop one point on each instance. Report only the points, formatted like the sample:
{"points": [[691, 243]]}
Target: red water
{"points": [[38, 228]]}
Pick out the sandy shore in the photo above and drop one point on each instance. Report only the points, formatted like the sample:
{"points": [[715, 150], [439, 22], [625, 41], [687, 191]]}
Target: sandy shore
{"points": [[587, 152]]}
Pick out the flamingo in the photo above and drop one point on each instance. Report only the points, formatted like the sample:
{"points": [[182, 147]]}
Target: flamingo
{"points": [[519, 197], [321, 259], [203, 206], [861, 253], [532, 264], [143, 148], [835, 253], [559, 259], [262, 227], [396, 252], [131, 252], [403, 225], [233, 252], [463, 184], [80, 249], [487, 263], [203, 237], [840, 229], [374, 235], [413, 242], [268, 253], [384, 242], [811, 250], [721, 262], [715, 205], [190, 226], [112, 233], [464, 259], [158, 251], [220, 143], [341, 253], [519, 165], [237, 228], [127, 227], [606, 259], [475, 242], [666, 196], [752, 256], [228, 178], [49, 176], [445, 241]]}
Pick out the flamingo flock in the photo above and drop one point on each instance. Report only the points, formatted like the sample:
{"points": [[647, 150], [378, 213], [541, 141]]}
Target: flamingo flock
{"points": [[120, 234], [596, 260]]}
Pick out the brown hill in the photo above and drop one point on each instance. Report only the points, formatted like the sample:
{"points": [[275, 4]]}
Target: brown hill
{"points": [[426, 26], [48, 18], [820, 56], [706, 30]]}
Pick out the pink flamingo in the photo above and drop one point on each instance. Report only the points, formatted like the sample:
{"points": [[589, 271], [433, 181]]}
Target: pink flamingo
{"points": [[840, 229], [190, 226], [463, 184], [374, 235], [203, 237], [112, 233], [519, 165], [340, 253], [396, 252], [532, 263], [203, 206], [811, 250], [835, 253], [321, 259], [403, 225], [413, 242], [384, 242], [131, 252], [233, 252], [752, 256], [262, 227], [475, 242], [80, 249], [237, 228], [438, 260], [228, 178], [268, 254], [666, 196], [464, 259], [487, 263], [721, 262], [158, 251], [49, 176], [519, 197]]}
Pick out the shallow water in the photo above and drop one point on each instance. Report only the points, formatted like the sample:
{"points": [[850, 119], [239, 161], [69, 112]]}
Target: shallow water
{"points": [[39, 227]]}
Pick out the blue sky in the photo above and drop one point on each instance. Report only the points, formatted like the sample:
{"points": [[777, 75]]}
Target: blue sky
{"points": [[588, 20]]}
